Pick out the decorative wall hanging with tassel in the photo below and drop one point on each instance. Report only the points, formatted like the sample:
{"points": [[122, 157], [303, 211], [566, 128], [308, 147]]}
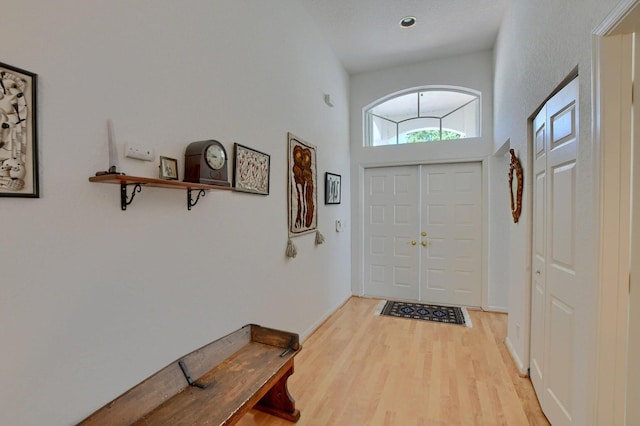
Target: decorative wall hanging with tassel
{"points": [[292, 250], [302, 192]]}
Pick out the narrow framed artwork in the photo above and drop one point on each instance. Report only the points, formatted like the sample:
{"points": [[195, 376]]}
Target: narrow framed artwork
{"points": [[251, 169], [168, 168], [303, 201], [332, 188], [18, 133]]}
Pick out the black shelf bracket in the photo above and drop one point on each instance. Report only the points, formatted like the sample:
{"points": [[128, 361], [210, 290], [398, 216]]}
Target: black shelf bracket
{"points": [[124, 199], [190, 201]]}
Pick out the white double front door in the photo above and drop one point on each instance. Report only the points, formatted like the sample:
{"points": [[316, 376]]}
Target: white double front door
{"points": [[423, 233]]}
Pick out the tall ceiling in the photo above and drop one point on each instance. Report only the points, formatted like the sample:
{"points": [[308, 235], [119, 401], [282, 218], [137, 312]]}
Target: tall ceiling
{"points": [[366, 34]]}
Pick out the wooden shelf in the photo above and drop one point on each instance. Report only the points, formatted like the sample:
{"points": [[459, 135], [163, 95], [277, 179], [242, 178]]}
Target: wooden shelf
{"points": [[138, 182], [159, 183]]}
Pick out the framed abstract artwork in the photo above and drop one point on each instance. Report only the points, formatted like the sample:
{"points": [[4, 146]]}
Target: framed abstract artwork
{"points": [[251, 169], [332, 188], [18, 133], [303, 185]]}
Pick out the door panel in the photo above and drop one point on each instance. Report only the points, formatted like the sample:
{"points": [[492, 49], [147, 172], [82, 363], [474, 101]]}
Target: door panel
{"points": [[554, 287], [538, 264], [562, 217], [452, 219], [561, 283], [391, 224], [559, 362]]}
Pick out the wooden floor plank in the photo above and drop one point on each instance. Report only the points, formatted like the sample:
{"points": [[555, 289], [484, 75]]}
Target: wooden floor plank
{"points": [[362, 369]]}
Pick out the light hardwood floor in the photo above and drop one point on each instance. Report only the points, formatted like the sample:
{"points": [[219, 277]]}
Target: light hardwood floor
{"points": [[361, 369]]}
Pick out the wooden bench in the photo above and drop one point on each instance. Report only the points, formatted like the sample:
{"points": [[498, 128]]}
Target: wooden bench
{"points": [[246, 369]]}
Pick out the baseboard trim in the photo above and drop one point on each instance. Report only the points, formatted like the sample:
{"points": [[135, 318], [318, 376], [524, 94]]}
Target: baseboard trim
{"points": [[522, 371], [306, 334], [498, 309]]}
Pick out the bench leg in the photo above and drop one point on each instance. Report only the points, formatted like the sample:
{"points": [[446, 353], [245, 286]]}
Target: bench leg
{"points": [[278, 401]]}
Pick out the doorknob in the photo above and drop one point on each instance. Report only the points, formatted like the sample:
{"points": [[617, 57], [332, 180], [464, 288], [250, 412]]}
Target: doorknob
{"points": [[413, 243], [424, 243], [424, 233]]}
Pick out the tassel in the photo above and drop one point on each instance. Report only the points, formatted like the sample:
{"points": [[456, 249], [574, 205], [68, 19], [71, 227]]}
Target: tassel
{"points": [[291, 251], [319, 238]]}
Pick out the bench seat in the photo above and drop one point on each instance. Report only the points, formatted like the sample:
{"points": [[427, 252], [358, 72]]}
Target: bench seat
{"points": [[246, 369]]}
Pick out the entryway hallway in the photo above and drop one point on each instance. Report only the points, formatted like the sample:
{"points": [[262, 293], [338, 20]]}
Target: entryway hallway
{"points": [[359, 369]]}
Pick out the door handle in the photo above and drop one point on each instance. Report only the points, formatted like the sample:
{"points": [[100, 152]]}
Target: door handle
{"points": [[424, 233], [424, 243], [414, 242]]}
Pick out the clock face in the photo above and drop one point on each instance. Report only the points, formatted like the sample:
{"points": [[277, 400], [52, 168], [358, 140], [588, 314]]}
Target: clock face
{"points": [[215, 157]]}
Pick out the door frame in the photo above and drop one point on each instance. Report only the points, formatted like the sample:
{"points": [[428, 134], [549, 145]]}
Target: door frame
{"points": [[357, 287], [611, 146]]}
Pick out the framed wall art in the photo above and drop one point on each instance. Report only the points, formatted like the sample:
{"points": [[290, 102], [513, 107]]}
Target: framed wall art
{"points": [[332, 188], [251, 169], [168, 168], [303, 204], [18, 133]]}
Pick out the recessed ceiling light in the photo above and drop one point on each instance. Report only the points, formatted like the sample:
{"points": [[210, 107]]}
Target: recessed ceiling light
{"points": [[408, 21]]}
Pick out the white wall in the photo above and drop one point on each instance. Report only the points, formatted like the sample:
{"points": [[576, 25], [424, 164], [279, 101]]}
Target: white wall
{"points": [[472, 71], [499, 219], [93, 299], [539, 44]]}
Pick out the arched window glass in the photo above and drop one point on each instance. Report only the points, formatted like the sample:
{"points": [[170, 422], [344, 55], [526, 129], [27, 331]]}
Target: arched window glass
{"points": [[424, 115]]}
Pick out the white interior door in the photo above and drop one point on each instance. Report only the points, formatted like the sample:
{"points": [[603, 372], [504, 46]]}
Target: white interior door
{"points": [[555, 289], [451, 211], [391, 230], [423, 233]]}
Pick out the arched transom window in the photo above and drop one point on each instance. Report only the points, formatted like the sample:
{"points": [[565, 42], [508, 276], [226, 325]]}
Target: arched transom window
{"points": [[425, 115]]}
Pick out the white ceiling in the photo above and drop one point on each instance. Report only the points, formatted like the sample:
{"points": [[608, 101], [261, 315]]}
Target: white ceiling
{"points": [[366, 35]]}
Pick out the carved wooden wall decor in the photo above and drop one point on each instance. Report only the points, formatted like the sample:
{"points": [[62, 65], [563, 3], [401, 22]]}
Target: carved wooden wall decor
{"points": [[515, 186]]}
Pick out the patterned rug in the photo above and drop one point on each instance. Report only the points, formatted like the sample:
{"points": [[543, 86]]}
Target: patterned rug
{"points": [[420, 311]]}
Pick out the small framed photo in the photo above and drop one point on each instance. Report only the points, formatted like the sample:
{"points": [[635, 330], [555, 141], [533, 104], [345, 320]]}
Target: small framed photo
{"points": [[251, 170], [168, 168], [332, 188], [18, 133]]}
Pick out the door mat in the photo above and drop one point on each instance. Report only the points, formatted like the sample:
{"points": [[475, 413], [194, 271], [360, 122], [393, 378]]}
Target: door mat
{"points": [[420, 311]]}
